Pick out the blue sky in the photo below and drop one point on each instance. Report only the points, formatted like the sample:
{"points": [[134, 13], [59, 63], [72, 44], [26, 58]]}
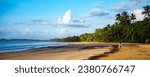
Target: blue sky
{"points": [[47, 19]]}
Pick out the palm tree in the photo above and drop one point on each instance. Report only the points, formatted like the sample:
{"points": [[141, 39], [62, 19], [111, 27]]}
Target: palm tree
{"points": [[146, 11], [132, 17], [130, 32], [125, 15], [118, 16], [125, 18], [122, 18]]}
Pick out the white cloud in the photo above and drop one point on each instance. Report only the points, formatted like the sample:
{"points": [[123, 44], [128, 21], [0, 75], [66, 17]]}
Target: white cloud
{"points": [[59, 20], [96, 12], [138, 14], [34, 22], [78, 23], [39, 21], [124, 6], [67, 30], [129, 5], [66, 18]]}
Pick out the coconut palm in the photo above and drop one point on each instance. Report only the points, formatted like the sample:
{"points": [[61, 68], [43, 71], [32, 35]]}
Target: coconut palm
{"points": [[146, 11], [125, 15], [125, 18], [118, 16], [132, 17]]}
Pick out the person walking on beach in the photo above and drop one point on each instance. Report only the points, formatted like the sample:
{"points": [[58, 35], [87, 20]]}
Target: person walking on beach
{"points": [[120, 45]]}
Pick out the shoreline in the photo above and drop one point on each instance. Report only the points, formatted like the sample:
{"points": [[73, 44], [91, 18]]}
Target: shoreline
{"points": [[83, 51], [65, 52], [28, 45]]}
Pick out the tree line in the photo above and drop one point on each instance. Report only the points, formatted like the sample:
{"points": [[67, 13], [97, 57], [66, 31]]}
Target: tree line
{"points": [[126, 29]]}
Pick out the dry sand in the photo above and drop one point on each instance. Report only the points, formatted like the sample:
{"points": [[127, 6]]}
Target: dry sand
{"points": [[130, 52]]}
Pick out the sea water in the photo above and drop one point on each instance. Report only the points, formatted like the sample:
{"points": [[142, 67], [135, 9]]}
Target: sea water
{"points": [[13, 46]]}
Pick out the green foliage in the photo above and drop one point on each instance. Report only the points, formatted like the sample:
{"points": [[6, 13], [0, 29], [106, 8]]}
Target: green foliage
{"points": [[146, 11], [123, 18], [125, 30], [69, 39], [87, 37]]}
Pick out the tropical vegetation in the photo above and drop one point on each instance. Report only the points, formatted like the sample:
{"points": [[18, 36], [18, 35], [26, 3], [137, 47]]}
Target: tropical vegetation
{"points": [[125, 29]]}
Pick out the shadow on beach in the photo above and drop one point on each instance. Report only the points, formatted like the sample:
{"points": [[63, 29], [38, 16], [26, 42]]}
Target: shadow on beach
{"points": [[114, 49]]}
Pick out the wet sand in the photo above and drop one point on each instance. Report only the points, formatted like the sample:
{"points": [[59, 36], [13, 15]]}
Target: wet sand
{"points": [[72, 51]]}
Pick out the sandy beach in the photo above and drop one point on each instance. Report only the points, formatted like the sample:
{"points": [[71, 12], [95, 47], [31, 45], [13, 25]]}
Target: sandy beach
{"points": [[73, 51], [83, 51], [130, 52]]}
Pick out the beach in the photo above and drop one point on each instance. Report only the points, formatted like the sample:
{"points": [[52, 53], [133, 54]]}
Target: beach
{"points": [[83, 51], [72, 51], [130, 52]]}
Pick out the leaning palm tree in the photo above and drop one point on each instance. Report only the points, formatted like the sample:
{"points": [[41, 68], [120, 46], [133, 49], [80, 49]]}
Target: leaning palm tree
{"points": [[146, 11]]}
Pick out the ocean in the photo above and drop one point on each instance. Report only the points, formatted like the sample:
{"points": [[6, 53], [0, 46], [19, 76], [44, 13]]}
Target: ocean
{"points": [[13, 46]]}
